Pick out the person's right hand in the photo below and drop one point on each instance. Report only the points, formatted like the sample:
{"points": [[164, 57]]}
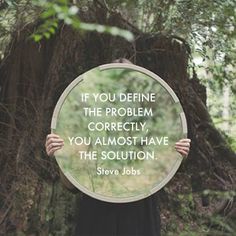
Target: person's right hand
{"points": [[53, 143]]}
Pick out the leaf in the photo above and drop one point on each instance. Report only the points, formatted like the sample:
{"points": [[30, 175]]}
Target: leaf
{"points": [[73, 10], [68, 20], [48, 13], [52, 30], [115, 31], [47, 35], [37, 37]]}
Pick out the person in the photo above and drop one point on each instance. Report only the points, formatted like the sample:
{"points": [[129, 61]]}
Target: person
{"points": [[99, 218]]}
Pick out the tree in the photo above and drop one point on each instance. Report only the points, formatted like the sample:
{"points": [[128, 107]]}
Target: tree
{"points": [[33, 75]]}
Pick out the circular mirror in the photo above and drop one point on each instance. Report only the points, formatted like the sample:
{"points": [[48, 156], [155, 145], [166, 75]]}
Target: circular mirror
{"points": [[120, 123]]}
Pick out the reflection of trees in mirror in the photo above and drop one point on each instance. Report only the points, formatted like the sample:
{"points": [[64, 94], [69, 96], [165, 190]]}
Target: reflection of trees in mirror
{"points": [[119, 149]]}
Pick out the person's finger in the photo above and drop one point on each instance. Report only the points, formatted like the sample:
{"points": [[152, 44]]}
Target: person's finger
{"points": [[53, 150], [54, 140], [52, 145], [183, 153], [52, 136], [49, 148], [180, 144], [182, 148], [185, 140]]}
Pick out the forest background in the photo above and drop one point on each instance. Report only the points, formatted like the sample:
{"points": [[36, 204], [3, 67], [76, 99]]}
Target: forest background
{"points": [[44, 45]]}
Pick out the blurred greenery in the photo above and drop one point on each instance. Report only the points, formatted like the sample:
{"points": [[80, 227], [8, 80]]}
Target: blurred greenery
{"points": [[206, 224], [53, 12], [208, 27], [164, 122]]}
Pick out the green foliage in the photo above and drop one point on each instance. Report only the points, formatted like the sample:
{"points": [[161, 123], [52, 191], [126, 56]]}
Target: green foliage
{"points": [[221, 226], [216, 103], [191, 223], [208, 27], [186, 205], [232, 141], [54, 12], [220, 194]]}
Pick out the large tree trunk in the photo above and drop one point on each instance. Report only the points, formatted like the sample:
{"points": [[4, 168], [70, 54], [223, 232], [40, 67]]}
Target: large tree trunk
{"points": [[33, 75]]}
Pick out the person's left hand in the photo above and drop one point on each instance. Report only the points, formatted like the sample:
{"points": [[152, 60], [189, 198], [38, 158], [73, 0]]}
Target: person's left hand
{"points": [[183, 146]]}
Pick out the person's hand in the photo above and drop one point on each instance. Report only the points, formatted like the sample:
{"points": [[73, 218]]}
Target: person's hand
{"points": [[53, 143], [183, 146]]}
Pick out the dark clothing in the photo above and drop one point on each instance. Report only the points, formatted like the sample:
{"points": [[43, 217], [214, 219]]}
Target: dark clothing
{"points": [[98, 218]]}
